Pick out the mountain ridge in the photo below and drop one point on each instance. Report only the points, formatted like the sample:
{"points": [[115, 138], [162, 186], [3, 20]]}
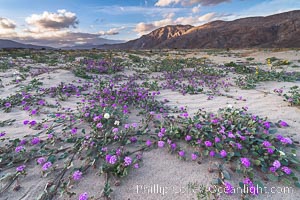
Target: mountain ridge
{"points": [[10, 44], [279, 30]]}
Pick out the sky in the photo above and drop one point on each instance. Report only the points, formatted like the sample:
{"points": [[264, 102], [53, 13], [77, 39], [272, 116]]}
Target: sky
{"points": [[60, 23]]}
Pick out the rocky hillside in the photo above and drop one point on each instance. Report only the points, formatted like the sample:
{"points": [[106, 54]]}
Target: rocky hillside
{"points": [[280, 30]]}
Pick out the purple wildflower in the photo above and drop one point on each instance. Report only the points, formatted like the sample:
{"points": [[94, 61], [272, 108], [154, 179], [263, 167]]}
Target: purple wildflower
{"points": [[7, 104], [273, 169], [77, 175], [46, 166], [107, 157], [133, 139], [35, 141], [160, 134], [25, 122], [115, 130], [22, 142], [212, 153], [208, 143], [266, 144], [185, 115], [99, 125], [270, 150], [33, 112], [19, 148], [223, 153], [286, 140], [228, 188], [286, 170], [136, 165], [247, 181], [104, 149], [181, 153], [41, 102], [161, 144], [215, 121], [188, 138], [283, 124], [279, 137], [239, 146], [246, 162], [230, 135], [276, 164], [173, 146], [2, 134], [84, 196], [113, 160], [118, 152], [198, 126], [32, 123], [242, 138], [21, 168], [194, 156], [127, 161], [267, 125], [74, 131], [134, 125], [217, 140], [148, 143], [41, 160]]}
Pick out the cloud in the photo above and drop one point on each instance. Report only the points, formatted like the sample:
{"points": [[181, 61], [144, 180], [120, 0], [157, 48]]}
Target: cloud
{"points": [[166, 2], [208, 17], [53, 21], [7, 23], [113, 31], [143, 28], [196, 9], [7, 27], [162, 3]]}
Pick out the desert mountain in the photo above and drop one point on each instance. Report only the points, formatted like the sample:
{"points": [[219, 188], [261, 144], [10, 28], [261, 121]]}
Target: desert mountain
{"points": [[280, 30], [12, 44]]}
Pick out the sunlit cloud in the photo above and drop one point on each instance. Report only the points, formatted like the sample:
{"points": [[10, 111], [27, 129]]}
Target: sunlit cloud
{"points": [[113, 31], [7, 23], [7, 26], [59, 20]]}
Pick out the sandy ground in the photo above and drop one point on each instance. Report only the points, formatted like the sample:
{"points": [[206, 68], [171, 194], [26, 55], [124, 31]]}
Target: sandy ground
{"points": [[162, 175]]}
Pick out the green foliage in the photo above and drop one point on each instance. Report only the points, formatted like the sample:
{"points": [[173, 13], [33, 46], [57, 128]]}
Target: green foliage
{"points": [[293, 96]]}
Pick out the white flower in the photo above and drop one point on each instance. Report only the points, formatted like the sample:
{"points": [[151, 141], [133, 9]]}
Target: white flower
{"points": [[18, 78], [106, 116], [229, 106], [117, 123], [282, 153]]}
